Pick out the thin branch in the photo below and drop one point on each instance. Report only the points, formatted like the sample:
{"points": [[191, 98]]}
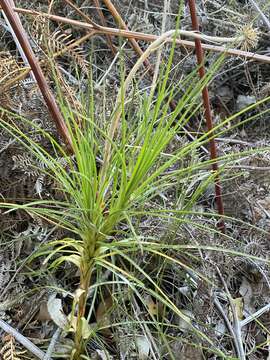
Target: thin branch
{"points": [[131, 34], [265, 19], [103, 22], [255, 315], [237, 323], [90, 21], [227, 322], [120, 22], [108, 71], [208, 116], [52, 344], [22, 340], [146, 37], [82, 14]]}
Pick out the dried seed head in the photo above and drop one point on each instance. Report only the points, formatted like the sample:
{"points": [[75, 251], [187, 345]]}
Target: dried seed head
{"points": [[249, 37]]}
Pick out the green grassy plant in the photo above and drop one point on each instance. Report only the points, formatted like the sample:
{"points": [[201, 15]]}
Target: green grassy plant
{"points": [[111, 178]]}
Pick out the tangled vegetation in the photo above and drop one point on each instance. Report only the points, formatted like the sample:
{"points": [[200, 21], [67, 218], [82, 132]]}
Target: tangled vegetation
{"points": [[134, 217]]}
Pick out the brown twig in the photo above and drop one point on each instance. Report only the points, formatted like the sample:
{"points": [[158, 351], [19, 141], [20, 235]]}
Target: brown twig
{"points": [[208, 116], [22, 340], [90, 21], [120, 22], [82, 14], [97, 29], [104, 23], [16, 24]]}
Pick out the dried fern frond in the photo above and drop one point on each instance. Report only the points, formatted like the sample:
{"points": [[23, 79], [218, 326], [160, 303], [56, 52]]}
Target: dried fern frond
{"points": [[26, 164], [62, 44], [10, 71], [11, 79], [68, 90], [9, 351], [8, 62], [38, 29]]}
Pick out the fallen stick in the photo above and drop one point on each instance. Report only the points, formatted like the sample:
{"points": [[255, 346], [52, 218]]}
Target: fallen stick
{"points": [[22, 340], [52, 344], [97, 29]]}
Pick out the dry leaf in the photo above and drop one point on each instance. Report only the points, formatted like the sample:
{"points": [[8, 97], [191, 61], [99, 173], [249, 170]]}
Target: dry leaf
{"points": [[86, 329], [103, 308], [43, 314], [246, 292], [103, 355], [190, 352], [186, 325], [56, 312], [154, 308], [143, 346], [103, 315], [239, 307]]}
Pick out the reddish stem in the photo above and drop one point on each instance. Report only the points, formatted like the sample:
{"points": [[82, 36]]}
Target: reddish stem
{"points": [[16, 24], [103, 22], [90, 21], [120, 22], [208, 114]]}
